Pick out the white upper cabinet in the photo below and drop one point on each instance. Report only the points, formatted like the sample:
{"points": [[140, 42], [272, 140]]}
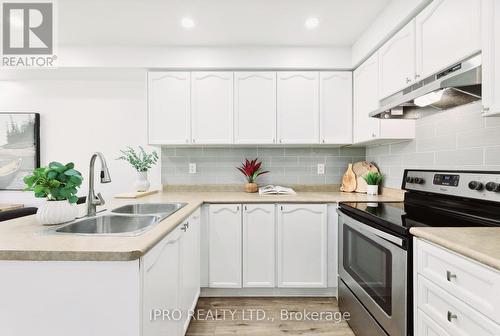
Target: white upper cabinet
{"points": [[169, 108], [224, 244], [397, 62], [212, 107], [255, 107], [366, 101], [336, 107], [447, 31], [259, 246], [491, 57], [302, 245], [298, 107]]}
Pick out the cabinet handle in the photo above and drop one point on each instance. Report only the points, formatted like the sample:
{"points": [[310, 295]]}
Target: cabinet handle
{"points": [[187, 225], [486, 109], [184, 228], [194, 140], [450, 276], [408, 80], [281, 208], [323, 140], [450, 316], [280, 140], [417, 76], [373, 135], [274, 140], [246, 208], [238, 208]]}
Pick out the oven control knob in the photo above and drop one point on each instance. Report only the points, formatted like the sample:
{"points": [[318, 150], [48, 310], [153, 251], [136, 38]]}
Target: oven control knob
{"points": [[475, 185], [419, 180], [493, 187], [410, 179]]}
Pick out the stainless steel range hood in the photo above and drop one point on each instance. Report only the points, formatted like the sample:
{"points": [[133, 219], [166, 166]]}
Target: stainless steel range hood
{"points": [[455, 86]]}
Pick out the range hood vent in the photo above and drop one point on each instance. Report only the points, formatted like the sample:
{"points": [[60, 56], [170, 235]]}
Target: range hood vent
{"points": [[455, 86]]}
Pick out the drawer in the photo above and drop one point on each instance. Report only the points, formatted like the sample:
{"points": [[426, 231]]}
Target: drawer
{"points": [[466, 279], [452, 314], [427, 327]]}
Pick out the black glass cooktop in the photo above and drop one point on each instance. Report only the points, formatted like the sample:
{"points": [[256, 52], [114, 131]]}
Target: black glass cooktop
{"points": [[399, 217]]}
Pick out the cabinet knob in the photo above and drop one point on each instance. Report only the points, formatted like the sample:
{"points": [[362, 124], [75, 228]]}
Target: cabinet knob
{"points": [[450, 316], [238, 208], [486, 109], [450, 276], [280, 140], [417, 76], [408, 80], [374, 135], [323, 140], [184, 228]]}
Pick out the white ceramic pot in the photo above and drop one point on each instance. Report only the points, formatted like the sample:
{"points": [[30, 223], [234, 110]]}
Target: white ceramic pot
{"points": [[142, 183], [372, 189], [56, 212]]}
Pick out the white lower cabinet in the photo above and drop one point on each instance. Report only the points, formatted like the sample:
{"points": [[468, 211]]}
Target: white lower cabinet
{"points": [[171, 280], [161, 283], [302, 245], [453, 294], [224, 244], [190, 259], [259, 236]]}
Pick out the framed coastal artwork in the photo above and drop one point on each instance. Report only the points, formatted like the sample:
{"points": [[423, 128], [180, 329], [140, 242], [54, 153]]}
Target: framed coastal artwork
{"points": [[19, 148]]}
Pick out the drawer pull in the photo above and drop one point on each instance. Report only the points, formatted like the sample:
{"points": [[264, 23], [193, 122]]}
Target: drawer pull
{"points": [[451, 316], [450, 276]]}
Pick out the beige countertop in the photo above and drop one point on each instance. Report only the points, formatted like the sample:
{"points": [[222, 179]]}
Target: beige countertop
{"points": [[25, 239], [478, 243]]}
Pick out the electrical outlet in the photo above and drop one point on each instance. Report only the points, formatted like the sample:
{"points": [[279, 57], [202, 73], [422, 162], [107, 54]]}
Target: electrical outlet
{"points": [[192, 168], [321, 169]]}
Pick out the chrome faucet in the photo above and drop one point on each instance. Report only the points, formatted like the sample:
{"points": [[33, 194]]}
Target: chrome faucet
{"points": [[94, 200]]}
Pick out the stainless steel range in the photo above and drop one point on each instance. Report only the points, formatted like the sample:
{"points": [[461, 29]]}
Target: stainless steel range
{"points": [[375, 246]]}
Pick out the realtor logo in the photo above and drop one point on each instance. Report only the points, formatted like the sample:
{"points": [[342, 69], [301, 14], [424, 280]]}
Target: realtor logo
{"points": [[28, 34]]}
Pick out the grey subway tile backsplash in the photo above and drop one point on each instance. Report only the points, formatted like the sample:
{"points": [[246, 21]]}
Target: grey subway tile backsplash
{"points": [[455, 139], [287, 165]]}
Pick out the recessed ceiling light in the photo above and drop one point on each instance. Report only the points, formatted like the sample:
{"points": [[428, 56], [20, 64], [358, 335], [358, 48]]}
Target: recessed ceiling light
{"points": [[312, 23], [187, 23]]}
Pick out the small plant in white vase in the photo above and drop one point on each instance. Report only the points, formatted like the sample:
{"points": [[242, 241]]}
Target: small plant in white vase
{"points": [[373, 180], [142, 162], [58, 184]]}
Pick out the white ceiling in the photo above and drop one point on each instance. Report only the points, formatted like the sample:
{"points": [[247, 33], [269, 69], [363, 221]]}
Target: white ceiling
{"points": [[218, 22]]}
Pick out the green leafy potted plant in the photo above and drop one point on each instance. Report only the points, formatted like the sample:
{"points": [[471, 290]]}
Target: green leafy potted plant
{"points": [[142, 162], [58, 184], [373, 180], [251, 170]]}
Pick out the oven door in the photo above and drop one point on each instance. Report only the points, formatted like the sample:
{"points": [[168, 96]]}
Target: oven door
{"points": [[373, 265]]}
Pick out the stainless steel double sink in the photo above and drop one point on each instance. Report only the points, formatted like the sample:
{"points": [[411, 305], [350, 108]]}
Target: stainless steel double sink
{"points": [[127, 220]]}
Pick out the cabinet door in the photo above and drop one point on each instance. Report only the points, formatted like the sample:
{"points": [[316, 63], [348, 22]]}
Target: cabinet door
{"points": [[259, 245], [169, 108], [366, 101], [397, 62], [190, 279], [212, 107], [161, 285], [336, 107], [298, 107], [255, 107], [302, 245], [491, 57], [447, 31], [224, 246]]}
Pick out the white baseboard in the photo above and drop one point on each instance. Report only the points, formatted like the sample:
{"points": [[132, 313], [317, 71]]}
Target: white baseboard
{"points": [[271, 292]]}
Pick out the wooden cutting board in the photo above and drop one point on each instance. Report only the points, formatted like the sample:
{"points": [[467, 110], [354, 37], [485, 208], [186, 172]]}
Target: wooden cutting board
{"points": [[360, 169], [136, 194], [348, 180]]}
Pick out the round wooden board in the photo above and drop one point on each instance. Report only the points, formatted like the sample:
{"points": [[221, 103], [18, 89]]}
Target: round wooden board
{"points": [[361, 168]]}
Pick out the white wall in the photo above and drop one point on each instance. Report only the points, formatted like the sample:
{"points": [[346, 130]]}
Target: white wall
{"points": [[81, 116], [205, 57]]}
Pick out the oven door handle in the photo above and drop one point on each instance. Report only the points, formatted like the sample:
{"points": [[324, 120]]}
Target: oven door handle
{"points": [[363, 227]]}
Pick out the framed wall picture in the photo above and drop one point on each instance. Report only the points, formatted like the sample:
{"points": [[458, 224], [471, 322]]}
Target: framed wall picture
{"points": [[19, 148]]}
